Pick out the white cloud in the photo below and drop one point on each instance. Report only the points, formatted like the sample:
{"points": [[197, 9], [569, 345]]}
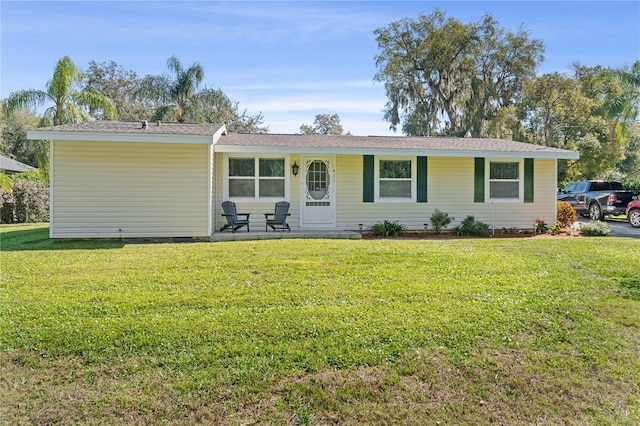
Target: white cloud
{"points": [[314, 102]]}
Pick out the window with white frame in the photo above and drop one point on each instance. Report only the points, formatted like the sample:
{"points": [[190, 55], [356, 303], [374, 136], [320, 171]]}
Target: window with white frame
{"points": [[256, 177], [505, 182], [395, 179]]}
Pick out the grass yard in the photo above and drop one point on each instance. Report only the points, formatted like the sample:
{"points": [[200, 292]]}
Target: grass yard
{"points": [[505, 331]]}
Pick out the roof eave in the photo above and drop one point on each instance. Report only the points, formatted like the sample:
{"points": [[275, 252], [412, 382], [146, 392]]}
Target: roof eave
{"points": [[560, 155], [124, 137]]}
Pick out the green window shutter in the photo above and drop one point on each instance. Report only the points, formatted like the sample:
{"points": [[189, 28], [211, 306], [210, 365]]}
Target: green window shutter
{"points": [[528, 180], [367, 178], [478, 186], [422, 179]]}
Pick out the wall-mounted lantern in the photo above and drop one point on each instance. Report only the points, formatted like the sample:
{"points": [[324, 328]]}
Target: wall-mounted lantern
{"points": [[295, 169]]}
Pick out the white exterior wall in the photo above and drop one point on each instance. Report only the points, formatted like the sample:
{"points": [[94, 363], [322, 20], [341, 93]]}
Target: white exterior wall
{"points": [[213, 179], [450, 183], [107, 190], [255, 207]]}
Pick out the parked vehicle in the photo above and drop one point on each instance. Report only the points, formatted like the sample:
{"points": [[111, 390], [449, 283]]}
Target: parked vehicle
{"points": [[597, 198], [633, 213]]}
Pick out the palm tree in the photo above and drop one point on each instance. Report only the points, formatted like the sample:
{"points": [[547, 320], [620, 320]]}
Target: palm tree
{"points": [[177, 94], [627, 105], [6, 183], [69, 101]]}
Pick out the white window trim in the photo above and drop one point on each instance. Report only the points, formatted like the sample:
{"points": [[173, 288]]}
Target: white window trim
{"points": [[287, 178], [414, 184], [487, 180]]}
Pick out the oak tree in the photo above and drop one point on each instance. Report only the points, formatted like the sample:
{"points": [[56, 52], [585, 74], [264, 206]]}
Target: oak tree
{"points": [[444, 77], [324, 124], [121, 86]]}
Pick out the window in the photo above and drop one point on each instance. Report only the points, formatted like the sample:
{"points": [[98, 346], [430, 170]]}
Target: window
{"points": [[252, 177], [395, 179], [318, 180], [505, 181]]}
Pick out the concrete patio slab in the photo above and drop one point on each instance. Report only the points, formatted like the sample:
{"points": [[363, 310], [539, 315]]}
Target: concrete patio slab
{"points": [[261, 235]]}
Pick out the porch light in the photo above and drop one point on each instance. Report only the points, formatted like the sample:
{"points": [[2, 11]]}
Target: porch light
{"points": [[295, 168]]}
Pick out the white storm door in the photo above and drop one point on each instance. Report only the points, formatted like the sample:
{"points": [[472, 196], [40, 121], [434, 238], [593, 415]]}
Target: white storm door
{"points": [[318, 189]]}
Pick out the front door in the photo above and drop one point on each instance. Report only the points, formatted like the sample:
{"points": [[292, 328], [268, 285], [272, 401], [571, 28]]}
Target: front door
{"points": [[318, 193]]}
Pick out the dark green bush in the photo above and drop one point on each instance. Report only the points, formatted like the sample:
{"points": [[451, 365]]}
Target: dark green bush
{"points": [[541, 226], [596, 229], [439, 220], [387, 229], [7, 208], [469, 226], [31, 201]]}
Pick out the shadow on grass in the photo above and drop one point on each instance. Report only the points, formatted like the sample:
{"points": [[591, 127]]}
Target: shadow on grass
{"points": [[37, 238]]}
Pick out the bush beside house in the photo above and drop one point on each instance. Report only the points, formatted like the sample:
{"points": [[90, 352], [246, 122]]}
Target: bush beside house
{"points": [[29, 202]]}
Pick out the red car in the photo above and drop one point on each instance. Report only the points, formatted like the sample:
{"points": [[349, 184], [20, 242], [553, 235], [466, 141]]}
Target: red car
{"points": [[633, 213]]}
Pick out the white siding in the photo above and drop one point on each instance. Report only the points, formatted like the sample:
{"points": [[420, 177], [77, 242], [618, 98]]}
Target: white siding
{"points": [[213, 190], [450, 189], [450, 183], [257, 208], [107, 189]]}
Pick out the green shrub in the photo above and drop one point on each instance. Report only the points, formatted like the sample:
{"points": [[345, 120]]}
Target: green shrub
{"points": [[566, 214], [34, 175], [596, 229], [7, 208], [541, 226], [631, 184], [469, 226], [557, 229], [387, 229], [439, 220], [31, 201]]}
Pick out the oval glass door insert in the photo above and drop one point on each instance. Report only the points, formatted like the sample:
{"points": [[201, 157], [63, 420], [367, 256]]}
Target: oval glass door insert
{"points": [[317, 180]]}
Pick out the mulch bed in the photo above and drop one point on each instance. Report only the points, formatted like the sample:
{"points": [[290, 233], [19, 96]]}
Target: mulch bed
{"points": [[452, 236]]}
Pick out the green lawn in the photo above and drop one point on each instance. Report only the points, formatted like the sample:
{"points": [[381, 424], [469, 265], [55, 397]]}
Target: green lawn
{"points": [[506, 331]]}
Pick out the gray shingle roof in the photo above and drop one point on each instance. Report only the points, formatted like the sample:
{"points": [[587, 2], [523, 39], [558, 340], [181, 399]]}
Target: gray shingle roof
{"points": [[384, 143], [245, 142], [135, 127], [12, 166]]}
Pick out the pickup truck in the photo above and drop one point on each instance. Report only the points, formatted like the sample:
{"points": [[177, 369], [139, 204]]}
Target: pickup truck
{"points": [[597, 198]]}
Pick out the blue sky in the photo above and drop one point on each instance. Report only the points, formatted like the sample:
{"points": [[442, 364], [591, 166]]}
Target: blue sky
{"points": [[289, 60]]}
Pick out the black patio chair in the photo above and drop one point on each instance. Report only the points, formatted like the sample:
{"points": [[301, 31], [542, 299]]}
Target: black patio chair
{"points": [[231, 214], [279, 217]]}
